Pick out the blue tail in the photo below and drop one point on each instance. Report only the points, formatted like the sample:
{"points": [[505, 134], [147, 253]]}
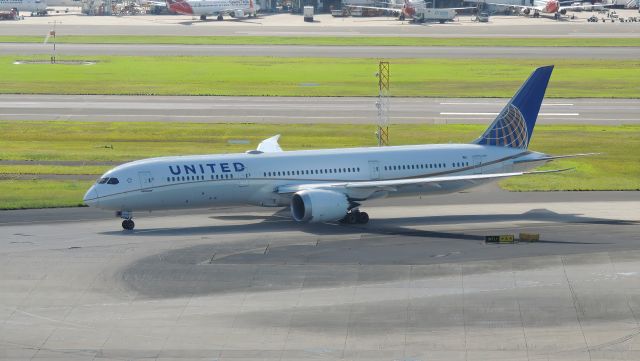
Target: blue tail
{"points": [[513, 127]]}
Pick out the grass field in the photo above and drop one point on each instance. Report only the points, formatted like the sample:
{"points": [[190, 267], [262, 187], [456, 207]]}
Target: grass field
{"points": [[266, 76], [617, 169], [329, 40], [41, 193]]}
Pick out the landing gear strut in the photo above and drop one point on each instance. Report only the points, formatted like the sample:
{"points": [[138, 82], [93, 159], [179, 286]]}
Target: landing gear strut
{"points": [[355, 217], [203, 17], [128, 223]]}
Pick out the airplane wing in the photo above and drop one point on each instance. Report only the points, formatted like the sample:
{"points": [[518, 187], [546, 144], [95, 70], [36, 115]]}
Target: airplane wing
{"points": [[155, 3], [392, 185], [584, 7], [393, 10], [521, 7]]}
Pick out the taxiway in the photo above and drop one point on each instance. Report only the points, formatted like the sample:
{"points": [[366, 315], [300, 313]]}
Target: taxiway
{"points": [[311, 110], [417, 283], [391, 52]]}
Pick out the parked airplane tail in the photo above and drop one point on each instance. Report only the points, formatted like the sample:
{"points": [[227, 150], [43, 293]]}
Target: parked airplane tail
{"points": [[513, 127]]}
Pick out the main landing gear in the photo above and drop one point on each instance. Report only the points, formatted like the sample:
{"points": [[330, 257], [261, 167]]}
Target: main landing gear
{"points": [[355, 217], [219, 18], [127, 223]]}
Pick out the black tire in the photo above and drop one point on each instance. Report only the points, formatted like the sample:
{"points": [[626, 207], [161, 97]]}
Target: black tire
{"points": [[363, 217], [128, 224], [203, 17], [219, 18], [351, 218]]}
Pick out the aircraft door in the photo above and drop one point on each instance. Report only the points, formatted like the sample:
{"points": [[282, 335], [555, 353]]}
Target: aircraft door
{"points": [[374, 169], [244, 180], [477, 164], [146, 181]]}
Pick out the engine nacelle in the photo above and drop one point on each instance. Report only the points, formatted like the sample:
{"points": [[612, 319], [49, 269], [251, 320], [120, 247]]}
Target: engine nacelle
{"points": [[527, 11], [563, 11], [318, 205], [237, 14]]}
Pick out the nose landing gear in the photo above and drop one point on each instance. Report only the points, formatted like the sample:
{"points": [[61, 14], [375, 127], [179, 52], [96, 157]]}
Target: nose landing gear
{"points": [[128, 223]]}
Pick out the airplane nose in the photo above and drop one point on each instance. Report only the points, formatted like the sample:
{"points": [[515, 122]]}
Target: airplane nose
{"points": [[91, 197]]}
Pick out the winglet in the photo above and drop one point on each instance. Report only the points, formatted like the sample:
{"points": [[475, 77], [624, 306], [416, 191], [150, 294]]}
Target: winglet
{"points": [[513, 127], [270, 145]]}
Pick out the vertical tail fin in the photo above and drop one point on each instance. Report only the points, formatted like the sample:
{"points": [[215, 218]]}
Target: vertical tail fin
{"points": [[513, 127]]}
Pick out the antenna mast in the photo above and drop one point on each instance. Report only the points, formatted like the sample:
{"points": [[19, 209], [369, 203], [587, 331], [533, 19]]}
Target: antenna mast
{"points": [[383, 104]]}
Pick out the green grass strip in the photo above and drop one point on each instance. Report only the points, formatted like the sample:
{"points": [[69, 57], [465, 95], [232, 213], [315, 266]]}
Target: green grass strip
{"points": [[268, 76], [22, 194], [330, 40], [618, 168], [52, 169]]}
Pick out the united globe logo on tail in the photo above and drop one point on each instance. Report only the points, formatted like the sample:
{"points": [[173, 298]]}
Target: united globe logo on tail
{"points": [[508, 130]]}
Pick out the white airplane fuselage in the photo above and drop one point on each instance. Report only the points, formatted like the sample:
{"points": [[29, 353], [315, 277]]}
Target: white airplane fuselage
{"points": [[235, 8], [329, 185], [23, 5], [218, 180]]}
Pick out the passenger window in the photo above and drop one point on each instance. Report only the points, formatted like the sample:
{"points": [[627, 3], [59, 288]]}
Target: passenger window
{"points": [[113, 181]]}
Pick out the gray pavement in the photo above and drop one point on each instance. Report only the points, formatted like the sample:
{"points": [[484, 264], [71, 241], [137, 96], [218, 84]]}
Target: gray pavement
{"points": [[417, 283], [391, 52], [288, 25], [304, 110]]}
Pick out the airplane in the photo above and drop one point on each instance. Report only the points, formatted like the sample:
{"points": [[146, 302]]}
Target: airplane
{"points": [[35, 7], [418, 11], [554, 7], [329, 185], [204, 8]]}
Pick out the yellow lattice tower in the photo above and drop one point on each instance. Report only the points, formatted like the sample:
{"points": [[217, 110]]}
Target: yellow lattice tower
{"points": [[383, 103]]}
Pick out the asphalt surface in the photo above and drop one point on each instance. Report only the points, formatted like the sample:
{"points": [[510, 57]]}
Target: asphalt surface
{"points": [[324, 25], [417, 283], [304, 110], [391, 52]]}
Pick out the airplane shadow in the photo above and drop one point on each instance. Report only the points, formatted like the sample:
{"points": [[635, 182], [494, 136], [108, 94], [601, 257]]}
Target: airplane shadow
{"points": [[198, 21], [281, 222]]}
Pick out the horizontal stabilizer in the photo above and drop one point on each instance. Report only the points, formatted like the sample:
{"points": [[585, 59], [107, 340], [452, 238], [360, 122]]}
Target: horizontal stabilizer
{"points": [[554, 157]]}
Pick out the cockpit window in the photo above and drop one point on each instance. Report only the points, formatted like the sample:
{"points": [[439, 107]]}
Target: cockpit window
{"points": [[102, 180], [113, 181]]}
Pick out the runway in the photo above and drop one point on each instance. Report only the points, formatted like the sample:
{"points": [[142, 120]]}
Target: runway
{"points": [[304, 110], [391, 52], [418, 283]]}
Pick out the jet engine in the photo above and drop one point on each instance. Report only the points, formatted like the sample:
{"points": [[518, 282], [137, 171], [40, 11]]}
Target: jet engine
{"points": [[238, 14], [318, 205], [526, 11], [563, 11]]}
